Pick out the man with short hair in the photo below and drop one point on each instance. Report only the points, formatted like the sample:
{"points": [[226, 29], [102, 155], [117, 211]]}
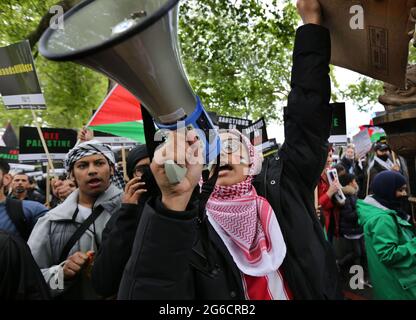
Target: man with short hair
{"points": [[20, 186], [22, 189], [64, 241], [17, 217], [382, 162]]}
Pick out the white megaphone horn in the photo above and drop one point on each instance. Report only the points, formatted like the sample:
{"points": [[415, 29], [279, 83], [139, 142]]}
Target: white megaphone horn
{"points": [[135, 43]]}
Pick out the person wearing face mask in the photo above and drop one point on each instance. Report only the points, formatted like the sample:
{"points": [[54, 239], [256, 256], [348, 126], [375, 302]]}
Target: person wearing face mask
{"points": [[382, 162], [390, 239], [118, 235]]}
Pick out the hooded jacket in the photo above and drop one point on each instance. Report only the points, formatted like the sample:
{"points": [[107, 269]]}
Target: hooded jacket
{"points": [[53, 230], [391, 251]]}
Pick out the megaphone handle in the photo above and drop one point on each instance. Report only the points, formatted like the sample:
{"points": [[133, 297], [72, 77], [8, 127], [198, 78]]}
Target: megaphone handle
{"points": [[174, 172]]}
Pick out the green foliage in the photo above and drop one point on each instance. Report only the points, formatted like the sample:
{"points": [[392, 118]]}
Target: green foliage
{"points": [[238, 55], [364, 92], [71, 91]]}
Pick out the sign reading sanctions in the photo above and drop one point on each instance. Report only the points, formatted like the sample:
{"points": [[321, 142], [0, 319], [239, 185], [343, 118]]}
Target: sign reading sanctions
{"points": [[58, 141]]}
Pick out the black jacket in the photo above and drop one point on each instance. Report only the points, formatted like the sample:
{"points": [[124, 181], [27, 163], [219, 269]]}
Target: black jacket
{"points": [[168, 259], [115, 249], [348, 217], [20, 277]]}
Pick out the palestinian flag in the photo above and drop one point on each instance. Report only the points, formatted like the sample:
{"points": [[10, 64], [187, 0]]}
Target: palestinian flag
{"points": [[120, 114], [376, 134]]}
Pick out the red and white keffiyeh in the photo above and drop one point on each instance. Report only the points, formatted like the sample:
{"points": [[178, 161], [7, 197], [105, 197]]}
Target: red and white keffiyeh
{"points": [[249, 229]]}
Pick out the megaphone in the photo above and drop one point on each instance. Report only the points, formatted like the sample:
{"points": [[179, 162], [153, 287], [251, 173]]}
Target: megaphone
{"points": [[135, 42]]}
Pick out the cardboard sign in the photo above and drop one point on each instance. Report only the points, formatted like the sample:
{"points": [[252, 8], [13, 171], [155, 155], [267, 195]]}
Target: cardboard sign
{"points": [[362, 143], [10, 155], [257, 133], [370, 36], [339, 124], [225, 122], [19, 85], [59, 142]]}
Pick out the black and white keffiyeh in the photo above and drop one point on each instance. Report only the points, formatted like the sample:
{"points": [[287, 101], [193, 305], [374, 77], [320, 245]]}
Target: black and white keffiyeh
{"points": [[86, 149], [90, 148]]}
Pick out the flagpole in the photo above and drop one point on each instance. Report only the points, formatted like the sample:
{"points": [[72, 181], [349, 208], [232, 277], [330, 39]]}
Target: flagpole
{"points": [[45, 147], [123, 157], [48, 187], [98, 110]]}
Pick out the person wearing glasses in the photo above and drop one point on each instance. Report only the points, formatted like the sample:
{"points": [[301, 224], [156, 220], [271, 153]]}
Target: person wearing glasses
{"points": [[257, 236]]}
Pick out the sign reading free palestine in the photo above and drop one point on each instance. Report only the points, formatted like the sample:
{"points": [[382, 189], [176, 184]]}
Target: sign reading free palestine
{"points": [[59, 142]]}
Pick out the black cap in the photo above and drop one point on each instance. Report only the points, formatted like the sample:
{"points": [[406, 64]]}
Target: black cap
{"points": [[381, 147]]}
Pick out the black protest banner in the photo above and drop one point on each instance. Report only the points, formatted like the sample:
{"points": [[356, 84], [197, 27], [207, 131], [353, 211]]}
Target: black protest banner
{"points": [[270, 147], [339, 124], [10, 155], [59, 142], [225, 122], [257, 133], [19, 85], [10, 138]]}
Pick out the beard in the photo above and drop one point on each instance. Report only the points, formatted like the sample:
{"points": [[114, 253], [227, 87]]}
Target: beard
{"points": [[20, 190], [384, 157]]}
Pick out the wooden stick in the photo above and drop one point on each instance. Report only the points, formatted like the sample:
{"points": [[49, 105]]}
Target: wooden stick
{"points": [[316, 198], [395, 158], [48, 187], [45, 147], [123, 157]]}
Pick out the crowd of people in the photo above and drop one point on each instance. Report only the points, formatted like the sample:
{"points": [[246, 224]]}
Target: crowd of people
{"points": [[246, 229], [373, 226]]}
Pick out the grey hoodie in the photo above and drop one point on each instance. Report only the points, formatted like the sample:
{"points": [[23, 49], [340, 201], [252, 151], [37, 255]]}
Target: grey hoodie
{"points": [[54, 229]]}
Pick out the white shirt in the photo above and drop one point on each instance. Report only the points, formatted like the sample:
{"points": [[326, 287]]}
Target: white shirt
{"points": [[84, 212]]}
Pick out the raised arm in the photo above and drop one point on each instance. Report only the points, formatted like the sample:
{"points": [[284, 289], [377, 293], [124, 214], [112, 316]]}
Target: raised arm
{"points": [[308, 114]]}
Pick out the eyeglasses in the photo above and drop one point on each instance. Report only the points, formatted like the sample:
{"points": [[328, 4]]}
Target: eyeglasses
{"points": [[139, 170], [229, 145]]}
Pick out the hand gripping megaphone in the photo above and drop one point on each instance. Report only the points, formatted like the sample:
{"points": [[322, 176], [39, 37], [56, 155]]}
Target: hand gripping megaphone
{"points": [[135, 43]]}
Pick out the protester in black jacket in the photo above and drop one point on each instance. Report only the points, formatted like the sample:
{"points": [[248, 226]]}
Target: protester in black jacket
{"points": [[20, 277], [348, 224], [118, 235], [175, 257]]}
